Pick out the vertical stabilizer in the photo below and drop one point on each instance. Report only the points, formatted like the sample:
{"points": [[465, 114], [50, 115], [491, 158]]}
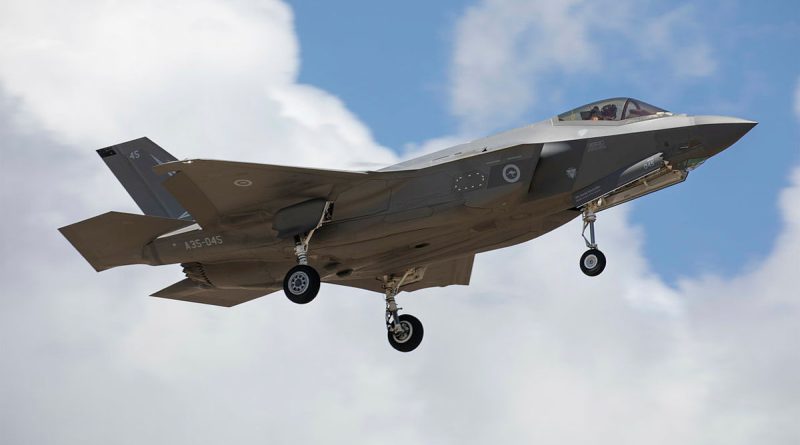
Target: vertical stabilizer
{"points": [[132, 163]]}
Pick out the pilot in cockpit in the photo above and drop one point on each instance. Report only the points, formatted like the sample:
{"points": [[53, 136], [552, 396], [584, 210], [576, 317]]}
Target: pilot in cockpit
{"points": [[609, 112], [618, 109]]}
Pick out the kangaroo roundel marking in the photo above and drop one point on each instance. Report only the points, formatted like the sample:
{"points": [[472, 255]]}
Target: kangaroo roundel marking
{"points": [[571, 172], [511, 173], [242, 183]]}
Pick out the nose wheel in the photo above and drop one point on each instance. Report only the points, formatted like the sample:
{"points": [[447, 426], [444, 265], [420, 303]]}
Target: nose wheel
{"points": [[593, 262]]}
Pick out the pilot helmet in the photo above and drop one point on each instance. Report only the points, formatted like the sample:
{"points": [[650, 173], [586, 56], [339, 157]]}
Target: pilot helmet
{"points": [[609, 112]]}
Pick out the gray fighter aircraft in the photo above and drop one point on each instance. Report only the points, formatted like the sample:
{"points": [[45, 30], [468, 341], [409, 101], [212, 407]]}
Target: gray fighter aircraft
{"points": [[243, 230]]}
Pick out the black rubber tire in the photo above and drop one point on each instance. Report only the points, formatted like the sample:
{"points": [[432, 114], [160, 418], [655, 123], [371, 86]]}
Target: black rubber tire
{"points": [[413, 339], [593, 262], [301, 284]]}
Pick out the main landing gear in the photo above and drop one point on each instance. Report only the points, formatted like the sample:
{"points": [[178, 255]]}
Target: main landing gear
{"points": [[301, 283], [592, 261], [404, 331]]}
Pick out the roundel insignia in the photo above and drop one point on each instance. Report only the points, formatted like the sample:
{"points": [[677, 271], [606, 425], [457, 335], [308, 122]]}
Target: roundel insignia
{"points": [[511, 173]]}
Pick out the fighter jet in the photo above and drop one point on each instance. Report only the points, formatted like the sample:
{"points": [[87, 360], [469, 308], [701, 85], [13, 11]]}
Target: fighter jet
{"points": [[243, 230]]}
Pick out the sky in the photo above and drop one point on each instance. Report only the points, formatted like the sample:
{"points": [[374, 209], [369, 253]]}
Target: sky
{"points": [[689, 336]]}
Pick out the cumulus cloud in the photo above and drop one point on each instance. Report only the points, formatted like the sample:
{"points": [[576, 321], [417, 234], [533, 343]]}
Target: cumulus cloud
{"points": [[532, 351], [501, 45], [413, 150], [505, 48], [196, 77], [674, 41]]}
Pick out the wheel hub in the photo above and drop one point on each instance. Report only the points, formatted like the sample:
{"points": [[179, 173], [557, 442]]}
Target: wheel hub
{"points": [[405, 332], [590, 261], [298, 283]]}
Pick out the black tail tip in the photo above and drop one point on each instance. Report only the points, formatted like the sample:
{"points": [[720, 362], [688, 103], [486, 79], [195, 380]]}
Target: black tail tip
{"points": [[106, 152]]}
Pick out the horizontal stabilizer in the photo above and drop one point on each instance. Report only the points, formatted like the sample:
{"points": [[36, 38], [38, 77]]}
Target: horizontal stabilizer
{"points": [[116, 239], [188, 290]]}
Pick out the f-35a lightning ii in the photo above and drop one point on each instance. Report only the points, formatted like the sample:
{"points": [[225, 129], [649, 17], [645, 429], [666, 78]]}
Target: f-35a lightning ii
{"points": [[244, 230]]}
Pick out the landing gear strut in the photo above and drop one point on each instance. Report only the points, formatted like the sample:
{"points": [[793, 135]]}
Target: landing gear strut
{"points": [[592, 261], [301, 283], [404, 331]]}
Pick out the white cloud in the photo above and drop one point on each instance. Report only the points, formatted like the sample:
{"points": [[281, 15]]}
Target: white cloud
{"points": [[413, 150], [797, 99], [504, 48], [532, 351], [673, 40], [499, 48], [197, 77]]}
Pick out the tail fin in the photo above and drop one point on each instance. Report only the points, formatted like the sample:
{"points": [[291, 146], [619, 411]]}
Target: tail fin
{"points": [[116, 239], [132, 163]]}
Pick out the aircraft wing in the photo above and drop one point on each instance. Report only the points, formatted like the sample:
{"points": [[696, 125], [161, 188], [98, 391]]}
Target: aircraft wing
{"points": [[440, 274], [188, 290], [210, 190]]}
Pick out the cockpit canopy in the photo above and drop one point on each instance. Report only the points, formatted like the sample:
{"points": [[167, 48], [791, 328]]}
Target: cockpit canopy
{"points": [[616, 109]]}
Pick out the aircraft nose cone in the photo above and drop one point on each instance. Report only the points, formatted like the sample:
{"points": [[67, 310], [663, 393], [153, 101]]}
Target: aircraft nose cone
{"points": [[716, 133]]}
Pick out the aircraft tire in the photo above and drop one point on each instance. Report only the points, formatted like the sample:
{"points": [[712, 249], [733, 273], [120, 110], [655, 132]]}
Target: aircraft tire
{"points": [[412, 339], [593, 262], [301, 284]]}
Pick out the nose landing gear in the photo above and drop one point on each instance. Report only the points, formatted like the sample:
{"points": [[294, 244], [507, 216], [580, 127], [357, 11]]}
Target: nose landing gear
{"points": [[593, 262]]}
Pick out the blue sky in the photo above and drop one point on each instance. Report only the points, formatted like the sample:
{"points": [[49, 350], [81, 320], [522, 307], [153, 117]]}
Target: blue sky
{"points": [[391, 65]]}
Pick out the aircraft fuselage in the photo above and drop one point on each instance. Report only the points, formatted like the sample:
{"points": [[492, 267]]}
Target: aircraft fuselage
{"points": [[416, 224], [483, 195]]}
